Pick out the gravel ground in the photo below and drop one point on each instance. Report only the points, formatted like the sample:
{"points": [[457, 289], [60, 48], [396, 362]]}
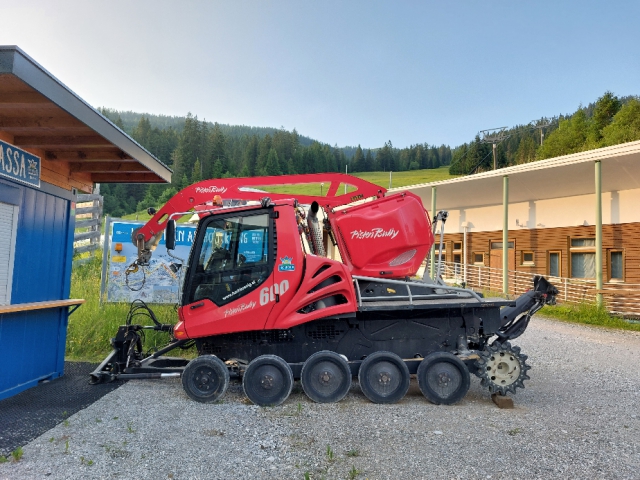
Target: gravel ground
{"points": [[579, 417]]}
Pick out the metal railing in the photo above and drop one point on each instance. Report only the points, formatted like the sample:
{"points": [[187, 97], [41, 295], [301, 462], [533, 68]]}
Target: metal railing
{"points": [[438, 291], [619, 298]]}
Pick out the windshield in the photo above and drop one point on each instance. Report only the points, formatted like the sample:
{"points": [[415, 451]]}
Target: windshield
{"points": [[233, 259]]}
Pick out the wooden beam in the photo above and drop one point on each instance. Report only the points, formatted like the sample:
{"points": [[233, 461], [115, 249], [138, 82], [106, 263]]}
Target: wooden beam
{"points": [[86, 210], [47, 142], [15, 99], [41, 121], [106, 167], [86, 235], [88, 198], [127, 178], [95, 222], [89, 155]]}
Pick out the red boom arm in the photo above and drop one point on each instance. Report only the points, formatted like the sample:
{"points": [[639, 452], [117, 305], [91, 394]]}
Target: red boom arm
{"points": [[235, 188]]}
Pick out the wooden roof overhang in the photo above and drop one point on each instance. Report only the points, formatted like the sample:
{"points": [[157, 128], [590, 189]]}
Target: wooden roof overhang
{"points": [[77, 145]]}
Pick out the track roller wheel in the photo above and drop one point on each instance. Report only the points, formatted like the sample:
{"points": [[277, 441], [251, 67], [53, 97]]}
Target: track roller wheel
{"points": [[267, 381], [443, 378], [326, 377], [384, 377], [205, 378]]}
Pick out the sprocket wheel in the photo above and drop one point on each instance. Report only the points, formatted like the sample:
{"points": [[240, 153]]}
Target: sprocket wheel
{"points": [[502, 368]]}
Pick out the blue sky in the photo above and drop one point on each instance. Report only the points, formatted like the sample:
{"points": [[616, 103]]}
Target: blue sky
{"points": [[345, 73]]}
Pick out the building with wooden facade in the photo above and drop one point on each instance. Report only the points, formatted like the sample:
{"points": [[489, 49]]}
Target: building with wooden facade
{"points": [[574, 218], [52, 145]]}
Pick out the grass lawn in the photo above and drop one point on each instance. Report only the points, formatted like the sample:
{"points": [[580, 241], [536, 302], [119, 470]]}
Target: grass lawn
{"points": [[410, 177], [588, 314]]}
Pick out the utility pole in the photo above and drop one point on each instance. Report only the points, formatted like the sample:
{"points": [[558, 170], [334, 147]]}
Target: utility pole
{"points": [[540, 126], [494, 136]]}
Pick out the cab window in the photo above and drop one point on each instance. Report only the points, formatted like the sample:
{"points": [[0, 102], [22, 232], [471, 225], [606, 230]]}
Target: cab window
{"points": [[233, 258]]}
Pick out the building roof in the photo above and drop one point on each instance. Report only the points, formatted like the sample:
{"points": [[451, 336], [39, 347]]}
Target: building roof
{"points": [[565, 176], [44, 115]]}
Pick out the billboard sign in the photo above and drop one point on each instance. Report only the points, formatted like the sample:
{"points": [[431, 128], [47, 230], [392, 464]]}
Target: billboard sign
{"points": [[161, 281]]}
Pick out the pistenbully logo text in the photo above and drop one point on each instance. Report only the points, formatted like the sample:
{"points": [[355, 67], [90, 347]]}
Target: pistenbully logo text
{"points": [[212, 189], [374, 233]]}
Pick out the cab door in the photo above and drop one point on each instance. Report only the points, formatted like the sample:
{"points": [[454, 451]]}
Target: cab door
{"points": [[230, 265]]}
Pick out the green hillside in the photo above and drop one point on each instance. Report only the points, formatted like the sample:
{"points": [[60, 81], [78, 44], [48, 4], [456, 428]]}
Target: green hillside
{"points": [[197, 150]]}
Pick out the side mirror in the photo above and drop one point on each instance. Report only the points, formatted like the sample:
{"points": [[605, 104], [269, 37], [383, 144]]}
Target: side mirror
{"points": [[170, 235]]}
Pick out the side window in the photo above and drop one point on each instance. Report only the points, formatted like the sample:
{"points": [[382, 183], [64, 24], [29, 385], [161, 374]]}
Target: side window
{"points": [[233, 259], [616, 265], [554, 264]]}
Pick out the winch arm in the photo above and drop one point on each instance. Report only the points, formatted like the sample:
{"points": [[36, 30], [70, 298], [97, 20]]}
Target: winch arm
{"points": [[246, 188], [514, 320]]}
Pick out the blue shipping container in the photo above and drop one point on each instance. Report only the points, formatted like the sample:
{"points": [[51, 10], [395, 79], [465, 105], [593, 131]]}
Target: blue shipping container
{"points": [[32, 343]]}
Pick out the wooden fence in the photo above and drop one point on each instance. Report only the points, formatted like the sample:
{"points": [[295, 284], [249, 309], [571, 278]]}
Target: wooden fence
{"points": [[619, 298], [88, 220]]}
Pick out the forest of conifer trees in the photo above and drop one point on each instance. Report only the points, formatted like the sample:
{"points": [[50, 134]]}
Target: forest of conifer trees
{"points": [[608, 121], [198, 150]]}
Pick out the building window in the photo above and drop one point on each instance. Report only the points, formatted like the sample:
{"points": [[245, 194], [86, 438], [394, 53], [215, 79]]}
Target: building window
{"points": [[554, 264], [498, 245], [616, 266], [527, 258], [583, 258], [444, 250], [9, 227], [457, 245], [478, 258], [583, 242]]}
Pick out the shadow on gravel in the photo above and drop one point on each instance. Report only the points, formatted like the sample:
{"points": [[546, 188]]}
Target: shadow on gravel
{"points": [[29, 414]]}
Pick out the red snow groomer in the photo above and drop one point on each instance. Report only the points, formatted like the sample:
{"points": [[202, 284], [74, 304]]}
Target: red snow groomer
{"points": [[262, 299]]}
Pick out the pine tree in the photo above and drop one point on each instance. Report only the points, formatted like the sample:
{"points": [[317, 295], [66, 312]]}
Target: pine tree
{"points": [[251, 156], [357, 164], [178, 169], [196, 174], [218, 169], [263, 152], [142, 132], [184, 182], [368, 161], [272, 166], [218, 150], [526, 151], [190, 144]]}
